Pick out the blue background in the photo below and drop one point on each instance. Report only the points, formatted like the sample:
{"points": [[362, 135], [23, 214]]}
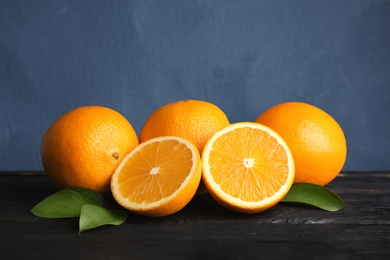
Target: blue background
{"points": [[244, 56]]}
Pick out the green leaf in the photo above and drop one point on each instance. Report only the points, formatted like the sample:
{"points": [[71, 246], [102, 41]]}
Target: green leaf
{"points": [[314, 195], [93, 216], [66, 203]]}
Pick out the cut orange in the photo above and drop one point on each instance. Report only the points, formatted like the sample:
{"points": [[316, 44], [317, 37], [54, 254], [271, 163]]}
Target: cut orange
{"points": [[159, 177], [247, 167]]}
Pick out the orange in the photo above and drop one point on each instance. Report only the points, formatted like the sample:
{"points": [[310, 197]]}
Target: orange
{"points": [[247, 167], [159, 177], [194, 120], [316, 140], [83, 147]]}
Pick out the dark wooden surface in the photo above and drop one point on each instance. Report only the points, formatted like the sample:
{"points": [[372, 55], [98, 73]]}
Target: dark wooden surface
{"points": [[204, 230]]}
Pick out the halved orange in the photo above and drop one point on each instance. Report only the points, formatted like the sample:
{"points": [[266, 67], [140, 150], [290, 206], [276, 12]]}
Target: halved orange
{"points": [[159, 177], [247, 167]]}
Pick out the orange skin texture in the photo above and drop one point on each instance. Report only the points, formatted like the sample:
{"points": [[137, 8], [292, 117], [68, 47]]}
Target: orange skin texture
{"points": [[83, 147], [194, 120], [315, 139]]}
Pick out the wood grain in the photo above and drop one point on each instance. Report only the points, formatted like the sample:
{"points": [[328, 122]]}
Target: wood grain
{"points": [[203, 229]]}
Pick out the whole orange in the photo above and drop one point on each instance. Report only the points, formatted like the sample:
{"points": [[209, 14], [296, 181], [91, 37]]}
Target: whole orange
{"points": [[315, 139], [83, 147], [194, 120]]}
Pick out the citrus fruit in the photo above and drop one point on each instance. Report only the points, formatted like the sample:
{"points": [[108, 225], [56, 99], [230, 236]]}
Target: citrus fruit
{"points": [[316, 140], [194, 120], [159, 177], [247, 167], [84, 146]]}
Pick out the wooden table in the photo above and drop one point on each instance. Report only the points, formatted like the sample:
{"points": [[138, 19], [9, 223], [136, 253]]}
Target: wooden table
{"points": [[204, 230]]}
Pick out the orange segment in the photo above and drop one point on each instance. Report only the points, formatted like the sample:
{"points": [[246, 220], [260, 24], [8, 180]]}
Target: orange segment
{"points": [[247, 167], [159, 177]]}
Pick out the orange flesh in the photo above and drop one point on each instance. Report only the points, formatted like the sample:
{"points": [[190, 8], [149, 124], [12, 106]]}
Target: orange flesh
{"points": [[249, 171], [155, 172]]}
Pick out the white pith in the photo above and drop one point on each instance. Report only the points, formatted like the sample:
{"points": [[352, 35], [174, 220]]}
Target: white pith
{"points": [[147, 206], [248, 163]]}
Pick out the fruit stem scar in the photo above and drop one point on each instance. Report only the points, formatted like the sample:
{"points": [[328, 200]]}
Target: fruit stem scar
{"points": [[154, 170], [249, 162], [115, 155]]}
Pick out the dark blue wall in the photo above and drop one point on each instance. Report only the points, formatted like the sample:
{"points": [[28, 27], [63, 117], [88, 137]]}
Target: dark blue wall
{"points": [[244, 56]]}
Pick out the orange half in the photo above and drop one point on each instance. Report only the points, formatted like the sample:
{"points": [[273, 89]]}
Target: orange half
{"points": [[159, 177], [247, 167]]}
